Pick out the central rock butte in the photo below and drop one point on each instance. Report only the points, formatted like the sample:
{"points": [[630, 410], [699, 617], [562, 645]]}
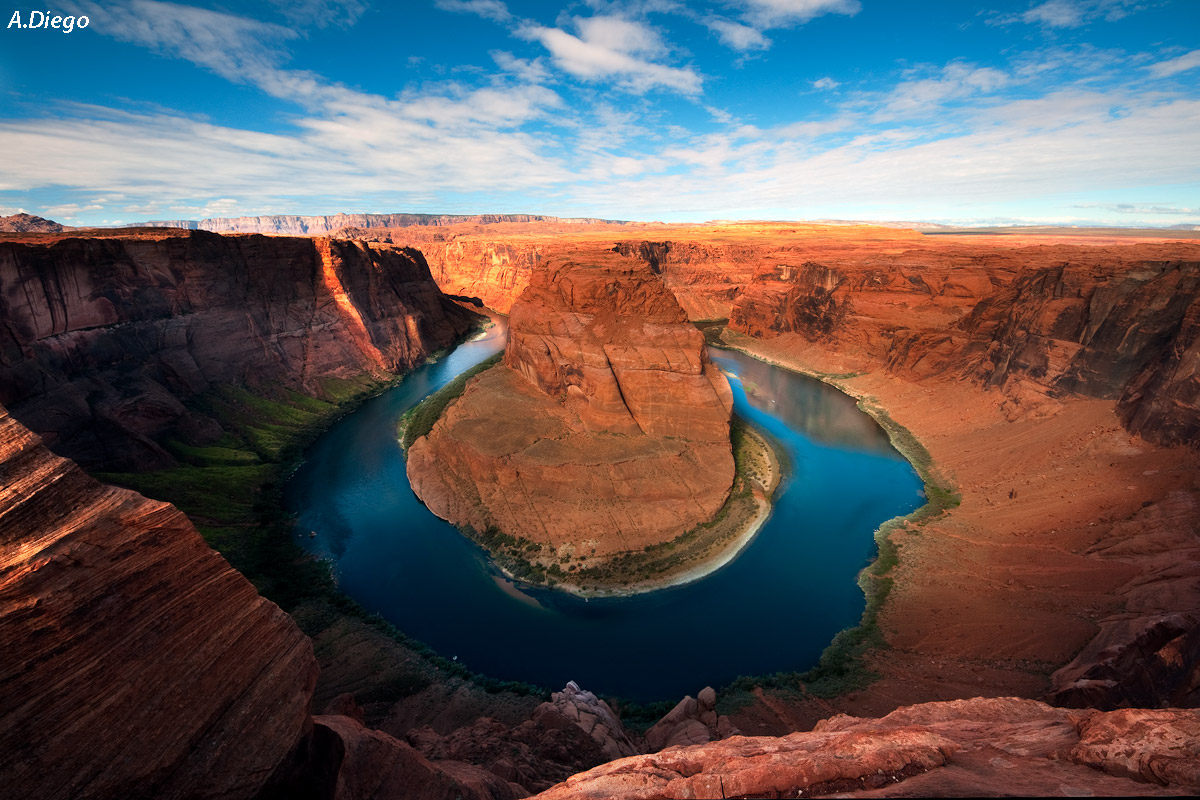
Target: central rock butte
{"points": [[604, 431]]}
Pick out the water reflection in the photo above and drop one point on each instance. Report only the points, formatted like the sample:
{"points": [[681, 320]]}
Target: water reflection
{"points": [[806, 404]]}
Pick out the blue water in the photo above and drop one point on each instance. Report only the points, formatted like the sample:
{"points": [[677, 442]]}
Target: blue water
{"points": [[774, 608]]}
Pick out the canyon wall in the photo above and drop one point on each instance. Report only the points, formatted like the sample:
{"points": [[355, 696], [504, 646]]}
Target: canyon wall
{"points": [[1034, 322], [134, 662], [106, 338], [605, 430]]}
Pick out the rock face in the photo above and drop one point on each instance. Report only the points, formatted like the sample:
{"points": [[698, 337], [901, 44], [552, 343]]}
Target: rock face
{"points": [[959, 748], [28, 223], [605, 430], [134, 662], [1034, 322], [106, 338]]}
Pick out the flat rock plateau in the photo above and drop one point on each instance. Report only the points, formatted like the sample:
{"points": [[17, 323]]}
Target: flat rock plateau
{"points": [[1040, 637]]}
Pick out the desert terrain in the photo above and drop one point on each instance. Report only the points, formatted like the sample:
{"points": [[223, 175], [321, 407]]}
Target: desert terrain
{"points": [[1044, 385]]}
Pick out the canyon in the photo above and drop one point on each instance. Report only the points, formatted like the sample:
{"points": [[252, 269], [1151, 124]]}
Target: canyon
{"points": [[1051, 379]]}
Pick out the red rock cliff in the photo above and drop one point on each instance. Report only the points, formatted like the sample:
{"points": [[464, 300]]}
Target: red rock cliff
{"points": [[134, 662], [105, 336]]}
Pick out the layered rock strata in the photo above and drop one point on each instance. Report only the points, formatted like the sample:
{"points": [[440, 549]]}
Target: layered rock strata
{"points": [[106, 338], [134, 662], [605, 430], [963, 748], [1034, 322]]}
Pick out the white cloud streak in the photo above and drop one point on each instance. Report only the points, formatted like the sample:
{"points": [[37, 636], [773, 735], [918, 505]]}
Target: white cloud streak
{"points": [[1174, 66], [614, 49]]}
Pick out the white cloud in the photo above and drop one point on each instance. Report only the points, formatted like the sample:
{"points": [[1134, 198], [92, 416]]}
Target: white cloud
{"points": [[528, 70], [1070, 13], [488, 9], [954, 82], [613, 48], [1174, 66], [1135, 208], [737, 36], [780, 13], [825, 83], [321, 13], [1056, 14]]}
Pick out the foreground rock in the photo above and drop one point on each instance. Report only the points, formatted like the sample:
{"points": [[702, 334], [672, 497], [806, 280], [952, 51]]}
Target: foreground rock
{"points": [[134, 662], [964, 748], [606, 429], [109, 334], [693, 720]]}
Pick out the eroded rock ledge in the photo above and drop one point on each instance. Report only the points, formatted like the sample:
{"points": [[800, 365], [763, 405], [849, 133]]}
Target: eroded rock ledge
{"points": [[964, 748], [606, 429]]}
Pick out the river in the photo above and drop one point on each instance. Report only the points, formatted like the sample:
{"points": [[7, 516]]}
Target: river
{"points": [[774, 608]]}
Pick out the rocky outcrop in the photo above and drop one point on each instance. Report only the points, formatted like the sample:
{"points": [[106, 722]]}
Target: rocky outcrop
{"points": [[693, 720], [591, 715], [605, 430], [134, 662], [28, 223], [571, 732], [959, 748], [106, 338], [354, 762]]}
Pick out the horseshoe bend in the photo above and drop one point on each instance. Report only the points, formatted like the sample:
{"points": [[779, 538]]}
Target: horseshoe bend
{"points": [[604, 434], [486, 399]]}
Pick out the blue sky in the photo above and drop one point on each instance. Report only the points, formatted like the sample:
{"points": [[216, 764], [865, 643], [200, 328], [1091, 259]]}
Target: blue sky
{"points": [[1061, 111]]}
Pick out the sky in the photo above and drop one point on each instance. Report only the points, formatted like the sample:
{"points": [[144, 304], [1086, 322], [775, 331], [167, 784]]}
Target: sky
{"points": [[1044, 111]]}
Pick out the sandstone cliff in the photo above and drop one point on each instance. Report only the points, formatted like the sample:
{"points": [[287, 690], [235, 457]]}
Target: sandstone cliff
{"points": [[1034, 322], [964, 748], [606, 429], [134, 662], [107, 337]]}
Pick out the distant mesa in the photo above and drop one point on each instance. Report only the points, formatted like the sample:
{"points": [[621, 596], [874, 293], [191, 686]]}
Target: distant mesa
{"points": [[28, 223], [604, 431], [292, 225]]}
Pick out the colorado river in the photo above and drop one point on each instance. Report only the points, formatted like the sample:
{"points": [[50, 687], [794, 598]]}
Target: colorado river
{"points": [[774, 608]]}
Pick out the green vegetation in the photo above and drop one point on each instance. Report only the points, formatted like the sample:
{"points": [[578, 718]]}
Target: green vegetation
{"points": [[418, 421], [231, 489]]}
